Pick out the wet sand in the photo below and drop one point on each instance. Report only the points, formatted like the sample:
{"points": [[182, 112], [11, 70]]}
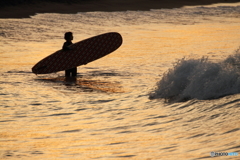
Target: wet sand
{"points": [[26, 10]]}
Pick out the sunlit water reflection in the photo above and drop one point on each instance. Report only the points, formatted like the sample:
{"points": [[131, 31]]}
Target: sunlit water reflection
{"points": [[106, 112]]}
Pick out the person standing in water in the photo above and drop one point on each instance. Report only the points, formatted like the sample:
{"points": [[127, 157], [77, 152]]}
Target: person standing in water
{"points": [[69, 37]]}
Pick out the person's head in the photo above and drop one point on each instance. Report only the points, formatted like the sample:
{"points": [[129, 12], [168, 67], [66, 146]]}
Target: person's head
{"points": [[68, 36]]}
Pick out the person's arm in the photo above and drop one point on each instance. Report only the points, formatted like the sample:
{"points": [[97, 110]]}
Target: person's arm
{"points": [[66, 47]]}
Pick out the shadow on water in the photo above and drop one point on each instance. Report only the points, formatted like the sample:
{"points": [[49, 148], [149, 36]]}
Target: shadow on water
{"points": [[81, 84]]}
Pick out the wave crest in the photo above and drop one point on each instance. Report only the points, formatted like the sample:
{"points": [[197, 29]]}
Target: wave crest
{"points": [[199, 79]]}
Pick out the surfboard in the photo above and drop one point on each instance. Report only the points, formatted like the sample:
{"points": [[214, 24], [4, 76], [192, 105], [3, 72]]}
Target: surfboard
{"points": [[81, 53]]}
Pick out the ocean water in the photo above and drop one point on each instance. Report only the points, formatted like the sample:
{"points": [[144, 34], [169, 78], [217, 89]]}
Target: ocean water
{"points": [[171, 91]]}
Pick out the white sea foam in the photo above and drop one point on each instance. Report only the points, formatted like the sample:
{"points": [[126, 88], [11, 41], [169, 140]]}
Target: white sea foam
{"points": [[200, 79]]}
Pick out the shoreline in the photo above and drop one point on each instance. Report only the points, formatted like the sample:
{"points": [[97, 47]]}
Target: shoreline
{"points": [[27, 10]]}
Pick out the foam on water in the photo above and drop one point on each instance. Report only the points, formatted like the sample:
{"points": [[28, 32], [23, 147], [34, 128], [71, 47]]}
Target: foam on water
{"points": [[200, 79], [106, 110]]}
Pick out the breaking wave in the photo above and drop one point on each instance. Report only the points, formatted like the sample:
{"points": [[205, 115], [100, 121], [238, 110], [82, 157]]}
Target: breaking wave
{"points": [[199, 79]]}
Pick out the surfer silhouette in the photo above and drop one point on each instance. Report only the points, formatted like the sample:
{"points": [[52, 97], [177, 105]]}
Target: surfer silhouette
{"points": [[69, 37]]}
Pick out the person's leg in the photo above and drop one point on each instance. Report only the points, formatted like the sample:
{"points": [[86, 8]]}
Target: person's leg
{"points": [[74, 72], [67, 73]]}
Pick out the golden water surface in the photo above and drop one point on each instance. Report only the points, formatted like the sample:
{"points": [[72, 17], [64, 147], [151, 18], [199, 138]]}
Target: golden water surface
{"points": [[106, 113]]}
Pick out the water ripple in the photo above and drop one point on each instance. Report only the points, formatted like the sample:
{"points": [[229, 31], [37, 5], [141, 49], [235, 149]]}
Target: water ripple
{"points": [[61, 114]]}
